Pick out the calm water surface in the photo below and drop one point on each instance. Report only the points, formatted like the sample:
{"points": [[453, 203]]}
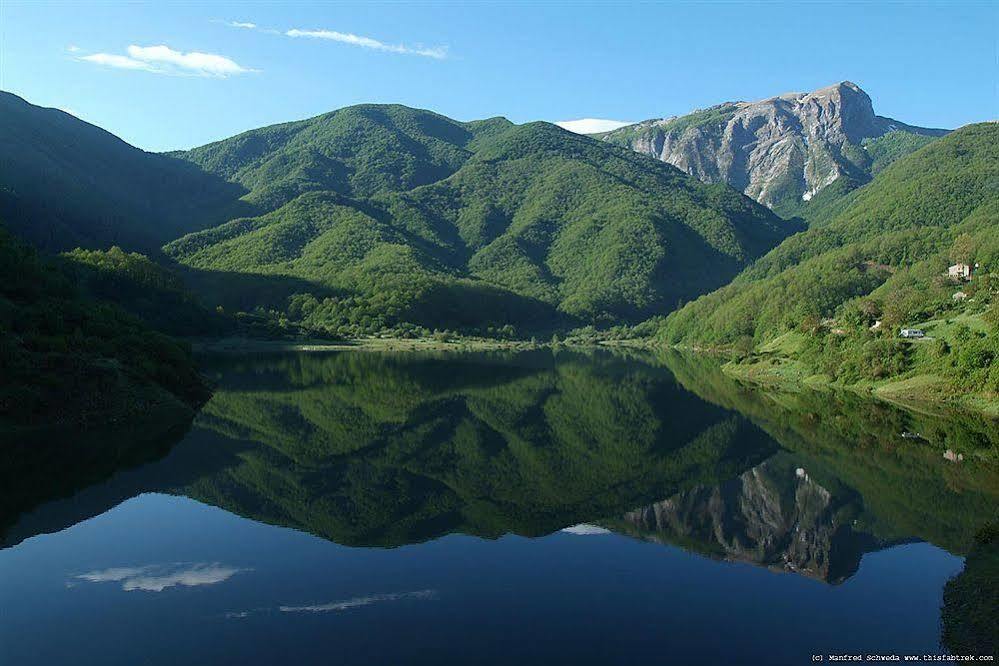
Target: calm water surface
{"points": [[486, 508]]}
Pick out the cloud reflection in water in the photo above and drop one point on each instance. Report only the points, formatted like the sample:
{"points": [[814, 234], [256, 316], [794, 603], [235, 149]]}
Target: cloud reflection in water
{"points": [[159, 577]]}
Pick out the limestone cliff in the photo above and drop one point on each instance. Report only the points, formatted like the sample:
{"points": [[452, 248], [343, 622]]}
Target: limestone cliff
{"points": [[783, 150]]}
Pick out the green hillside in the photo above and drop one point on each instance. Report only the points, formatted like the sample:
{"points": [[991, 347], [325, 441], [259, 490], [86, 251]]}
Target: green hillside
{"points": [[65, 183], [357, 151], [406, 218], [862, 162], [68, 359], [883, 258], [147, 290]]}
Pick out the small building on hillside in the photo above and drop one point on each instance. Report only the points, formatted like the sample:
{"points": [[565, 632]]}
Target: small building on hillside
{"points": [[912, 333], [959, 272]]}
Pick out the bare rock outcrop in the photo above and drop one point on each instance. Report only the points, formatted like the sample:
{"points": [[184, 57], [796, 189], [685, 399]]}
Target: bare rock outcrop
{"points": [[780, 151]]}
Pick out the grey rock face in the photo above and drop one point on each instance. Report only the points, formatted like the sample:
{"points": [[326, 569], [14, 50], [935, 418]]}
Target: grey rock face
{"points": [[778, 150], [771, 516]]}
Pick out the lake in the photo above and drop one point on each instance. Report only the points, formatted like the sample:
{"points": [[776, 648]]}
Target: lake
{"points": [[491, 508]]}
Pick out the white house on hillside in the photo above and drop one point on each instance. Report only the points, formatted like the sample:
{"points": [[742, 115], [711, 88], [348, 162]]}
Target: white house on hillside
{"points": [[959, 272]]}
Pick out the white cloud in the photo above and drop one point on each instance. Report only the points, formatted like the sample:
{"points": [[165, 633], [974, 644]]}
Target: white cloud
{"points": [[73, 48], [203, 64], [584, 529], [158, 577], [117, 61], [438, 52], [358, 601], [247, 25], [164, 60], [591, 125]]}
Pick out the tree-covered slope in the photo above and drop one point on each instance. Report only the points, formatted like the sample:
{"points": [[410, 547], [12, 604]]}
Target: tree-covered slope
{"points": [[600, 233], [143, 288], [64, 358], [357, 151], [529, 221], [65, 183], [881, 259]]}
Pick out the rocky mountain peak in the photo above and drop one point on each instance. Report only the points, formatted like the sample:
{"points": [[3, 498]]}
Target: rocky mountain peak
{"points": [[781, 150], [842, 110]]}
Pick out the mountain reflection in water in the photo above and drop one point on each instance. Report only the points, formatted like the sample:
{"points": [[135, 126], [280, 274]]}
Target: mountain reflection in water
{"points": [[371, 449], [383, 450]]}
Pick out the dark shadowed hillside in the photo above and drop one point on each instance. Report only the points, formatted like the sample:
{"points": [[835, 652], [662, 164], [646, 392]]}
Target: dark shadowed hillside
{"points": [[67, 359], [65, 183]]}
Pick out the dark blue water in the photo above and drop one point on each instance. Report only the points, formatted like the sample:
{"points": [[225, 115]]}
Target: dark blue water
{"points": [[379, 511]]}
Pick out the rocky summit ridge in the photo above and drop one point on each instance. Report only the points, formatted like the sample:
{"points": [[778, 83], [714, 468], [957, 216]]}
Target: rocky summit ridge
{"points": [[783, 150]]}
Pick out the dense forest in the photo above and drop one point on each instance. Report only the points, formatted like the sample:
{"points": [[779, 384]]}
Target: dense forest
{"points": [[67, 358], [408, 219]]}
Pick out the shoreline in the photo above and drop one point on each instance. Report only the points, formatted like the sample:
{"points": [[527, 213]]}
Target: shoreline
{"points": [[241, 345], [251, 345], [920, 393]]}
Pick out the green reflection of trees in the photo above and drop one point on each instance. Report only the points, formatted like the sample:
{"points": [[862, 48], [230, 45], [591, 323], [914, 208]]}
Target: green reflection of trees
{"points": [[385, 449], [40, 467], [971, 599], [849, 443]]}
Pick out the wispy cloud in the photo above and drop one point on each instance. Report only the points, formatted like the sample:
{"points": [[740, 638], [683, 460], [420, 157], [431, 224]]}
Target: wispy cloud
{"points": [[165, 60], [248, 25], [357, 602], [158, 577], [591, 125], [338, 606], [437, 52]]}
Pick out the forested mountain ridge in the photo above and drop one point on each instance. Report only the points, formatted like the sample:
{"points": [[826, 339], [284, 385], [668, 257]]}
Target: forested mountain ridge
{"points": [[357, 151], [835, 296], [65, 183], [383, 218], [523, 225], [782, 151]]}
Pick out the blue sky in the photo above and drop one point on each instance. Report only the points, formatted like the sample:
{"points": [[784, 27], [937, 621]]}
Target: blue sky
{"points": [[175, 75]]}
